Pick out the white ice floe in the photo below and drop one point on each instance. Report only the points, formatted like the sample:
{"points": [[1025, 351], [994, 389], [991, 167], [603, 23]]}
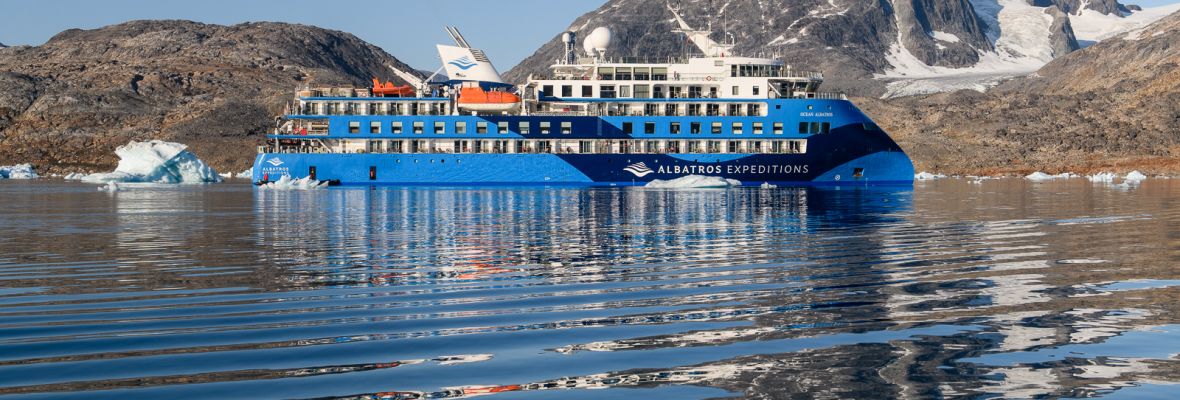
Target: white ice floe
{"points": [[247, 174], [157, 162], [694, 181], [74, 176], [767, 185], [288, 183], [1134, 176], [927, 176], [1104, 177], [19, 171], [1041, 176], [110, 187]]}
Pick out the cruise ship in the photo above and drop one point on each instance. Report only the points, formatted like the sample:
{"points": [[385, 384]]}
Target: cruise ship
{"points": [[593, 120]]}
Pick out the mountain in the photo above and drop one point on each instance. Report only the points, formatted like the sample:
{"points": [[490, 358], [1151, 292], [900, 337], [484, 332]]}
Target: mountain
{"points": [[65, 105], [1112, 106], [870, 48]]}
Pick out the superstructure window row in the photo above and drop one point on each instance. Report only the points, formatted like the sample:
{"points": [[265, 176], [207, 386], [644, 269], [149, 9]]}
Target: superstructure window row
{"points": [[571, 146]]}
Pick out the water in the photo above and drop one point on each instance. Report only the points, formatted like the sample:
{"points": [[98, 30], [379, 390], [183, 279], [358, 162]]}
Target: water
{"points": [[953, 289]]}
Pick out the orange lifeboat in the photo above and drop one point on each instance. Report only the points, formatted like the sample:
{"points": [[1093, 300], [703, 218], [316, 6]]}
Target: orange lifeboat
{"points": [[476, 99], [389, 90]]}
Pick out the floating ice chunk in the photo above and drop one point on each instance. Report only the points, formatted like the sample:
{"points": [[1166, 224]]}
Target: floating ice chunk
{"points": [[1104, 177], [1041, 176], [19, 171], [159, 162], [927, 176], [247, 174], [1134, 176], [74, 176], [694, 181], [110, 187], [287, 183], [767, 185]]}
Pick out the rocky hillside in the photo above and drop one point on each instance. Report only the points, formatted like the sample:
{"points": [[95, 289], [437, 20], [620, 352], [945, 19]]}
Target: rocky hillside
{"points": [[1112, 106], [66, 104], [862, 46]]}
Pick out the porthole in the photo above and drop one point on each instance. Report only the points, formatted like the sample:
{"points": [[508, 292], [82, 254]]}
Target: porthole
{"points": [[810, 107]]}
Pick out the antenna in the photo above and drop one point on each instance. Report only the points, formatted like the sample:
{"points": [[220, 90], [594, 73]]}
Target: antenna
{"points": [[457, 37]]}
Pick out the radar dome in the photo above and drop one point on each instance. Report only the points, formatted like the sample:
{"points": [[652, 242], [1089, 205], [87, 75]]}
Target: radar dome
{"points": [[598, 41]]}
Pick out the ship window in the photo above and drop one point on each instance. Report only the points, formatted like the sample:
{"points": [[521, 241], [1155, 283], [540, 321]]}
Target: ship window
{"points": [[659, 73], [354, 127], [826, 128], [545, 127], [694, 128], [395, 127], [587, 91], [755, 146], [606, 91], [716, 128], [651, 109], [671, 109], [815, 127], [733, 147], [460, 127], [674, 128], [567, 91], [757, 128], [776, 146], [694, 92], [736, 128], [547, 91], [713, 146], [501, 128], [642, 74], [627, 127], [642, 91], [649, 127], [756, 90], [778, 128], [802, 127], [623, 73], [418, 126], [624, 92], [481, 127], [713, 110], [735, 109], [736, 91], [523, 128], [694, 110], [606, 73], [754, 110], [694, 146], [374, 127], [440, 127], [567, 127]]}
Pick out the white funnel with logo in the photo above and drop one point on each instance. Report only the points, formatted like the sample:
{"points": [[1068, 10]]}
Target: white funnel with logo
{"points": [[466, 64]]}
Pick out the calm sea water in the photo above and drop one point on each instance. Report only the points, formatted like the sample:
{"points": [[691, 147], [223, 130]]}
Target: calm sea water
{"points": [[952, 289]]}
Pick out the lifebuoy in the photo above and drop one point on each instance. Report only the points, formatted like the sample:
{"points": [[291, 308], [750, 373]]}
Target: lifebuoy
{"points": [[708, 78]]}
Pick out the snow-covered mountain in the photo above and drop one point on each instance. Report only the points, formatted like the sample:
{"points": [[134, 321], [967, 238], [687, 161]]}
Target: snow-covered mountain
{"points": [[874, 48]]}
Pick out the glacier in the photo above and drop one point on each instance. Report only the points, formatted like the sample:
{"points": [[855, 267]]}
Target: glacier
{"points": [[156, 161]]}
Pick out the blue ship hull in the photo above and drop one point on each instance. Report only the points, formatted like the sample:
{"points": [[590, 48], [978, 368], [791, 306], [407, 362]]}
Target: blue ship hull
{"points": [[854, 152]]}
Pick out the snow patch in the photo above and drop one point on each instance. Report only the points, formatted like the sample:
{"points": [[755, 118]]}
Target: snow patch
{"points": [[1041, 176], [288, 183], [694, 181], [1092, 26], [19, 171], [944, 36], [156, 161]]}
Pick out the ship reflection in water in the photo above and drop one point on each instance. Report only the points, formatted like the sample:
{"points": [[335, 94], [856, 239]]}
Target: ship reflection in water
{"points": [[1005, 289]]}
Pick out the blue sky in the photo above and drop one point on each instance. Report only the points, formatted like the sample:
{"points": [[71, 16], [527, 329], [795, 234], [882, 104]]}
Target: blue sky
{"points": [[509, 30]]}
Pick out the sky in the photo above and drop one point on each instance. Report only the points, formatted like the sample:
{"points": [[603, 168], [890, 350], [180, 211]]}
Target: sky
{"points": [[508, 30]]}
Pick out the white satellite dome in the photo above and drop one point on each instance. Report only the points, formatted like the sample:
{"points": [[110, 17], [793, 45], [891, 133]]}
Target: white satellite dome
{"points": [[597, 41]]}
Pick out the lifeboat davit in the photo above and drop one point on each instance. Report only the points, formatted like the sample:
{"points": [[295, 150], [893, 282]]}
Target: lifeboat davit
{"points": [[389, 90], [477, 99]]}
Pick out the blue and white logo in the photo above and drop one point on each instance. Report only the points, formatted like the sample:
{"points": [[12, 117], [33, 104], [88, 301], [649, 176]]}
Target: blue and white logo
{"points": [[463, 63], [639, 169], [275, 162]]}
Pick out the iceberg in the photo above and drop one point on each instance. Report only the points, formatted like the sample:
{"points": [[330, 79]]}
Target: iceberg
{"points": [[1041, 176], [926, 176], [19, 171], [694, 181], [287, 183], [156, 161]]}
